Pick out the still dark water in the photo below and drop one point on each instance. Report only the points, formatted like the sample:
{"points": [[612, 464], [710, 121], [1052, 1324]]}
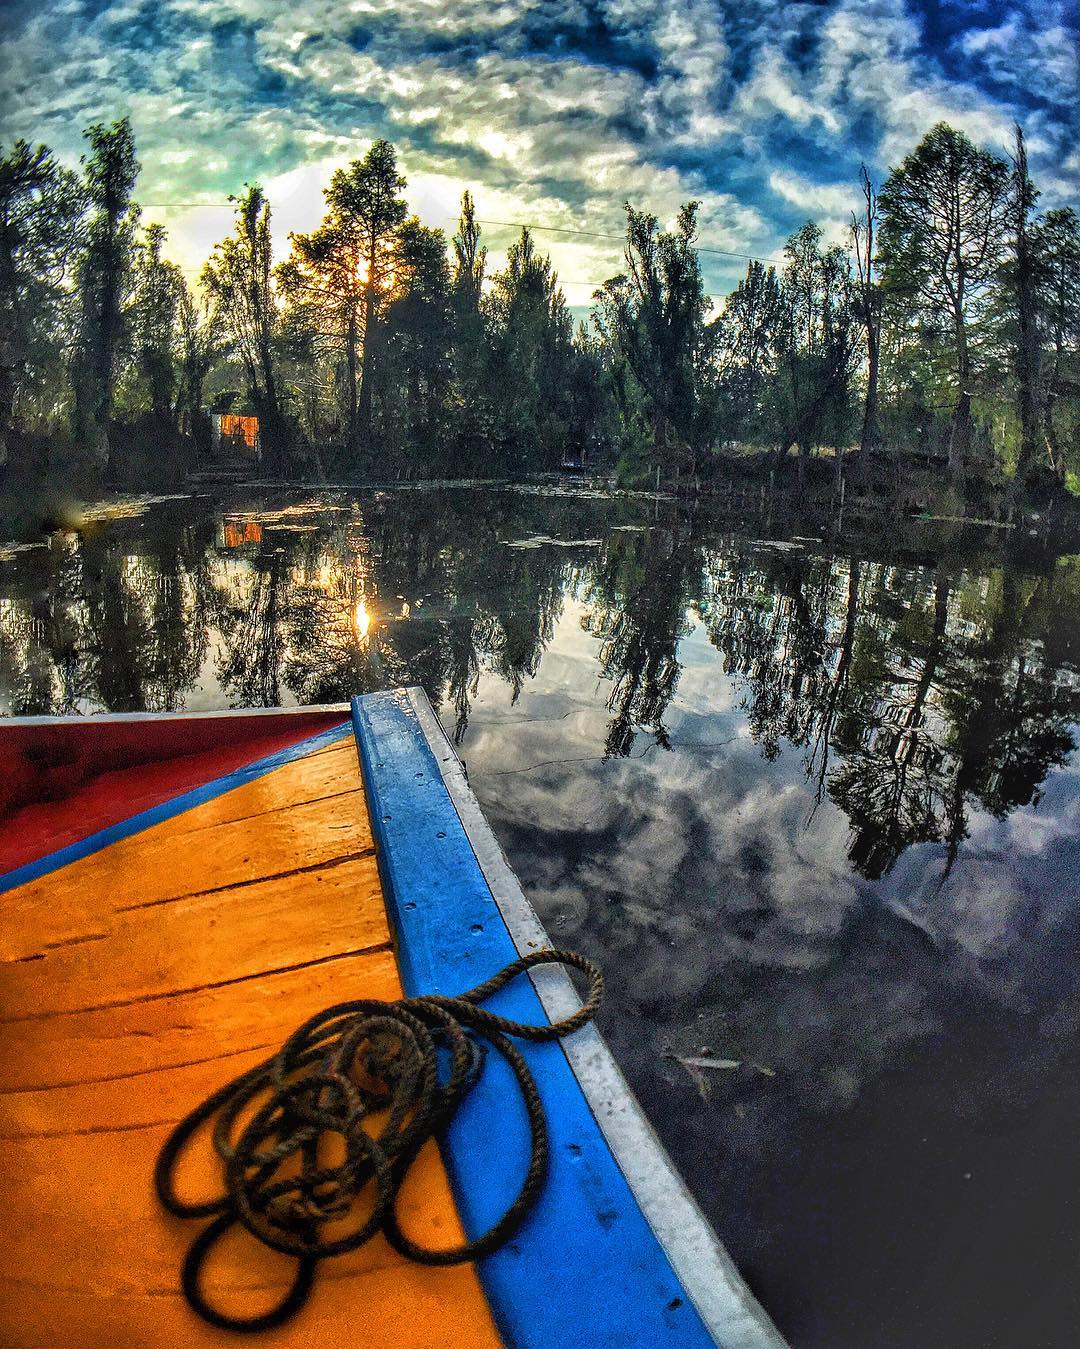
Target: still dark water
{"points": [[814, 806]]}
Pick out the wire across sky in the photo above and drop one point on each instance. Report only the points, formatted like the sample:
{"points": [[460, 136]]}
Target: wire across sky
{"points": [[504, 224]]}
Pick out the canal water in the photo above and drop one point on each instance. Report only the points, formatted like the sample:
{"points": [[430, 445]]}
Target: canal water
{"points": [[810, 796]]}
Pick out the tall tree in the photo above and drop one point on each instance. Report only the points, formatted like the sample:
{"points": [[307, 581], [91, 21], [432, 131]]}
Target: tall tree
{"points": [[532, 358], [748, 330], [415, 388], [159, 290], [1057, 245], [370, 193], [238, 276], [104, 280], [1021, 205], [470, 257], [817, 346], [339, 273], [198, 341], [867, 298], [471, 339], [941, 238], [41, 205], [654, 315]]}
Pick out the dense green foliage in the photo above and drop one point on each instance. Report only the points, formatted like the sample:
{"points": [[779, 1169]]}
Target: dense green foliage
{"points": [[103, 282], [239, 280], [947, 331], [41, 205]]}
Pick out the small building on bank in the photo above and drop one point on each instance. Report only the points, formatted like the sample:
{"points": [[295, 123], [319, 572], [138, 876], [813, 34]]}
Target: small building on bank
{"points": [[235, 435]]}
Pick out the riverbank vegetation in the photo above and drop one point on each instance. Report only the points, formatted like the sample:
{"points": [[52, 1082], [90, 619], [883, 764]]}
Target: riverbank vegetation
{"points": [[935, 355]]}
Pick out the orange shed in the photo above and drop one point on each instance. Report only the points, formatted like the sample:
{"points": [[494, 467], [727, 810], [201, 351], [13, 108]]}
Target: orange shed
{"points": [[236, 431]]}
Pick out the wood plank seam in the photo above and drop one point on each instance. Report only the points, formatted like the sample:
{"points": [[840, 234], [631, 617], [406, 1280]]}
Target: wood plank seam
{"points": [[138, 1072], [88, 1130], [82, 940], [291, 805], [197, 988], [323, 865]]}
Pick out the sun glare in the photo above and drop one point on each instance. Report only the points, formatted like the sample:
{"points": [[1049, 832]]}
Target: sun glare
{"points": [[361, 620]]}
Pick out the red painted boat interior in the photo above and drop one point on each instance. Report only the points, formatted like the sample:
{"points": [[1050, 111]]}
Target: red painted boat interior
{"points": [[60, 783]]}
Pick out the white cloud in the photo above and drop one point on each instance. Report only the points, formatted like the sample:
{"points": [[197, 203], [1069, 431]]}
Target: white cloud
{"points": [[561, 139], [870, 62], [1040, 55], [774, 90], [833, 199]]}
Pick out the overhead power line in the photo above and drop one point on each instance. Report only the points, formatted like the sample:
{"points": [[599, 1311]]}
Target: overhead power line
{"points": [[620, 238], [506, 224]]}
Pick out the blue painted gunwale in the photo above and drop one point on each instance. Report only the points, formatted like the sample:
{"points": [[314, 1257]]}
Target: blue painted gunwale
{"points": [[586, 1267], [166, 810]]}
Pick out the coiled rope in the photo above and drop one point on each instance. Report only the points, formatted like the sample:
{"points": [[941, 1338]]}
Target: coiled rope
{"points": [[329, 1077]]}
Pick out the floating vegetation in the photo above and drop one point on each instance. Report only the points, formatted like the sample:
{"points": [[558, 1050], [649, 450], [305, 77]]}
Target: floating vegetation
{"points": [[964, 520], [544, 541], [126, 507], [555, 489], [285, 515], [436, 484], [8, 551]]}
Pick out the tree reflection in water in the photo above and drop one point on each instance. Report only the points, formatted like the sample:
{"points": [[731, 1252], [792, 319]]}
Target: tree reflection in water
{"points": [[812, 807]]}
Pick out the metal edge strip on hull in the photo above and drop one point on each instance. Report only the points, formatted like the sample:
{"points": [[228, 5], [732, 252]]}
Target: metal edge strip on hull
{"points": [[196, 796], [725, 1303], [586, 1267], [106, 718]]}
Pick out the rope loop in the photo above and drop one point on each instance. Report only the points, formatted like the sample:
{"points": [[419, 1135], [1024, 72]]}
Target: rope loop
{"points": [[410, 1063]]}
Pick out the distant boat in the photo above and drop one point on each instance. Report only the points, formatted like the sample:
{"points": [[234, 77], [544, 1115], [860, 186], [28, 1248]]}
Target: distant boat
{"points": [[180, 891]]}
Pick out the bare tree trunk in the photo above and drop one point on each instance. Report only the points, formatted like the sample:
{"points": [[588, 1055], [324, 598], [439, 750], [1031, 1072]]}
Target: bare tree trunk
{"points": [[863, 236], [108, 345], [7, 410], [350, 338], [869, 437], [1053, 443], [271, 423], [1027, 347], [367, 370], [960, 432]]}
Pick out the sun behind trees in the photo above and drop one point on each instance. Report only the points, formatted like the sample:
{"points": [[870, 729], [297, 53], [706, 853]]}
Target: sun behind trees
{"points": [[945, 335], [338, 278]]}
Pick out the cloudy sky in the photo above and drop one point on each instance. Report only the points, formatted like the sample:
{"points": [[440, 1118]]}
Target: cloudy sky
{"points": [[553, 112]]}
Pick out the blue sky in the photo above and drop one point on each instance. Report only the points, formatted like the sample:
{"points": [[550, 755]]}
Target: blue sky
{"points": [[554, 113]]}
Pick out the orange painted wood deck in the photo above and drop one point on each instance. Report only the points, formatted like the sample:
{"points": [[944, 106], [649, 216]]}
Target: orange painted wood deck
{"points": [[135, 981]]}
